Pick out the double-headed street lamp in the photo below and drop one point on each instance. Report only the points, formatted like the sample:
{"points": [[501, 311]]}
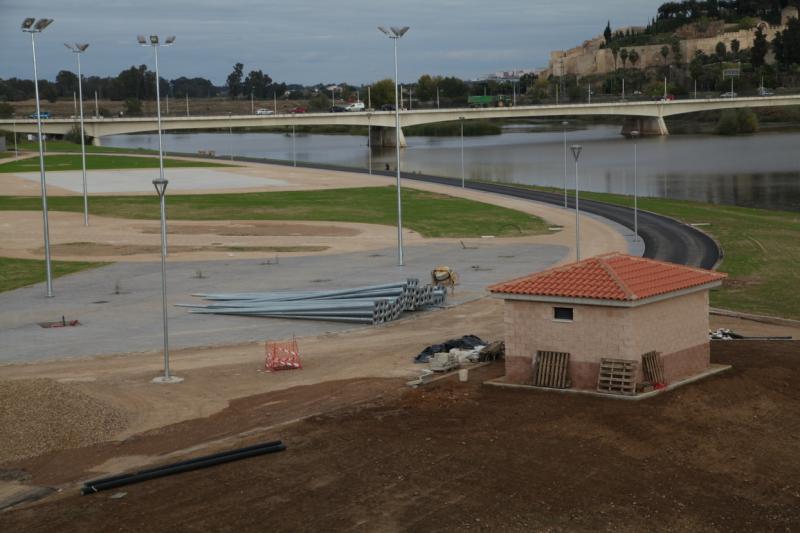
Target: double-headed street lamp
{"points": [[576, 153], [78, 49], [463, 181], [161, 188], [564, 124], [33, 26], [395, 34]]}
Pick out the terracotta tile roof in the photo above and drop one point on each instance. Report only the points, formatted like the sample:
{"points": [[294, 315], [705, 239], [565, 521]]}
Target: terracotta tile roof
{"points": [[612, 276]]}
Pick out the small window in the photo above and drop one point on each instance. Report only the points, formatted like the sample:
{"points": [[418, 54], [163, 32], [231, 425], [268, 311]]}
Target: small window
{"points": [[562, 313]]}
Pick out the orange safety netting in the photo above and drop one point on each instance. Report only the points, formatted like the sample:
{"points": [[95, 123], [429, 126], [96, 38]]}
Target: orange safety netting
{"points": [[282, 355]]}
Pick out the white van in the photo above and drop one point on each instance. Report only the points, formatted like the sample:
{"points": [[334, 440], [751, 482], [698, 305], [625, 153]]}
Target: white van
{"points": [[355, 106]]}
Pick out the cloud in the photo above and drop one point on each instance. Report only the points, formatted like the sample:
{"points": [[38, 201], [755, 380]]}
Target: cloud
{"points": [[308, 41]]}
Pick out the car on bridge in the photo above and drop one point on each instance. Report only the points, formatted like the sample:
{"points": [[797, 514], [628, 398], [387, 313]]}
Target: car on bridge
{"points": [[729, 94], [299, 109], [387, 107], [337, 109], [263, 111], [355, 106], [765, 92], [42, 115]]}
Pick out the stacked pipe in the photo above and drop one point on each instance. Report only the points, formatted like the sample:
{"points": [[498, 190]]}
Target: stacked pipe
{"points": [[373, 304]]}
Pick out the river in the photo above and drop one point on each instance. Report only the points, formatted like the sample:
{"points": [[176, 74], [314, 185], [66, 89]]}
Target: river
{"points": [[758, 170]]}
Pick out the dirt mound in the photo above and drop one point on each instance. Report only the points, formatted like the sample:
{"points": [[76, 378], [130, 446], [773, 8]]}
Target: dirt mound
{"points": [[40, 415], [259, 229]]}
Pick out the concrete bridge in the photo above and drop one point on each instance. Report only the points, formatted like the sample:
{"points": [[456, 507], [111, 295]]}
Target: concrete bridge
{"points": [[646, 117]]}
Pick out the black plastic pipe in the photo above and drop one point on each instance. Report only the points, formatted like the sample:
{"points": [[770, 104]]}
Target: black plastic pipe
{"points": [[111, 482]]}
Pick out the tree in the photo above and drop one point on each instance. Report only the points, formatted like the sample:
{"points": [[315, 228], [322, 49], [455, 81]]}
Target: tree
{"points": [[133, 107], [454, 88], [382, 93], [759, 49], [607, 33], [735, 45], [319, 102], [66, 83], [426, 87], [721, 50], [623, 55], [633, 57], [675, 46], [258, 84], [665, 53], [615, 53], [234, 81], [787, 44]]}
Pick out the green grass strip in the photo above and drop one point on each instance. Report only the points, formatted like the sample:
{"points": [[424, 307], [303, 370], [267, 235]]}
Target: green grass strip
{"points": [[96, 162], [16, 273], [430, 214]]}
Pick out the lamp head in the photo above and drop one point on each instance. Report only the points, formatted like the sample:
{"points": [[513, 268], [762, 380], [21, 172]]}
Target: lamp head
{"points": [[161, 186], [154, 39], [141, 39], [41, 24], [170, 39], [81, 47], [399, 32], [384, 30], [576, 151], [27, 23]]}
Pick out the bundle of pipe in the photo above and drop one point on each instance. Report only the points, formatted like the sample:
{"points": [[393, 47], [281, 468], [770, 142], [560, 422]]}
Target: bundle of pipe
{"points": [[374, 304]]}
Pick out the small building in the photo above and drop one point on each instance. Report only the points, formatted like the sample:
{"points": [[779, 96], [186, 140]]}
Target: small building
{"points": [[612, 309]]}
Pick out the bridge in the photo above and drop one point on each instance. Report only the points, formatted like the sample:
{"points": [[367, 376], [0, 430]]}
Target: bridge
{"points": [[647, 117]]}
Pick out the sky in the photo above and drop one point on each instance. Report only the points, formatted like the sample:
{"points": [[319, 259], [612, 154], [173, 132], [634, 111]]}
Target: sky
{"points": [[307, 41]]}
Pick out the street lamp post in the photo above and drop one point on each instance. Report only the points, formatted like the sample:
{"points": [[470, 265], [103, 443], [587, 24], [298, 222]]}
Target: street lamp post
{"points": [[161, 188], [78, 49], [369, 140], [153, 42], [576, 153], [461, 120], [294, 148], [395, 34], [635, 136], [564, 124], [14, 127], [33, 26]]}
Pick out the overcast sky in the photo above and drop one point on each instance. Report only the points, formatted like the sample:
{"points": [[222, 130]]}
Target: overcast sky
{"points": [[307, 41]]}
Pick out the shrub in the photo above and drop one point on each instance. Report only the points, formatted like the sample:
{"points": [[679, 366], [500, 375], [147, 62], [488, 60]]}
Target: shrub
{"points": [[737, 121]]}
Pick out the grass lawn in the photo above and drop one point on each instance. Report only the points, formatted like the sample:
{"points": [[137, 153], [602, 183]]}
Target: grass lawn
{"points": [[761, 251], [432, 215], [96, 162], [16, 273], [65, 146]]}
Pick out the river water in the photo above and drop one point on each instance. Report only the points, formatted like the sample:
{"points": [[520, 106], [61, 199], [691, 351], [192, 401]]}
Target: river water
{"points": [[758, 170]]}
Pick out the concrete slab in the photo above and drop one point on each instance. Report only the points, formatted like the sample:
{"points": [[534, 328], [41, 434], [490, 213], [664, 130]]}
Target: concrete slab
{"points": [[140, 180], [119, 306]]}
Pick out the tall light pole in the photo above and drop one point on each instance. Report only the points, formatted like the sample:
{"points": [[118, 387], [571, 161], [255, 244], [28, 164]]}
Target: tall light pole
{"points": [[78, 49], [635, 136], [33, 26], [96, 106], [576, 153], [294, 147], [564, 124], [154, 43], [461, 120], [437, 98], [395, 34], [369, 140], [161, 188], [14, 126], [252, 104]]}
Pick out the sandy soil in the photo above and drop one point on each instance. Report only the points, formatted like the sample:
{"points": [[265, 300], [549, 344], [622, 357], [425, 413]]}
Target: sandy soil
{"points": [[719, 455], [22, 233]]}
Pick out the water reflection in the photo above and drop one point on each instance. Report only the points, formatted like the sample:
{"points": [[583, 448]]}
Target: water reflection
{"points": [[759, 170]]}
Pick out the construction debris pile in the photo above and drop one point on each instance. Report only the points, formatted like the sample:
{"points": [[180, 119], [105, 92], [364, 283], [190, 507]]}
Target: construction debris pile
{"points": [[374, 304]]}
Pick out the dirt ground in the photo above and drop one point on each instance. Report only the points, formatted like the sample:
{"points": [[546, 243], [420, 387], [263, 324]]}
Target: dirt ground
{"points": [[718, 455]]}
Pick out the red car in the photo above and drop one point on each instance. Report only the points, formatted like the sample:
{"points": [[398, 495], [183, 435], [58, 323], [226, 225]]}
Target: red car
{"points": [[298, 110]]}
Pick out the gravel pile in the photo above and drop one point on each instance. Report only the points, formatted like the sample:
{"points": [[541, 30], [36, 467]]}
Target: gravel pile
{"points": [[40, 415]]}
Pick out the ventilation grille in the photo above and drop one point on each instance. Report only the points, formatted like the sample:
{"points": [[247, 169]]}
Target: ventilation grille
{"points": [[551, 370]]}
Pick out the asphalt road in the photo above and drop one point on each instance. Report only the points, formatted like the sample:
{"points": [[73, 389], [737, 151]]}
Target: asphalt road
{"points": [[664, 238]]}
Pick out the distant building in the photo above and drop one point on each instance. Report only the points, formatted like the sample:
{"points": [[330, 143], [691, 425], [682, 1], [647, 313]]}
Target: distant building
{"points": [[613, 306]]}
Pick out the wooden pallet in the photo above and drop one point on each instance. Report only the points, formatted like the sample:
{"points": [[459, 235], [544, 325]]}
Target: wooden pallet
{"points": [[551, 369], [617, 376], [653, 367]]}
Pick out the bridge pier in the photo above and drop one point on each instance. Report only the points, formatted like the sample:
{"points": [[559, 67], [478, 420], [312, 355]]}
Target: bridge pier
{"points": [[386, 137], [646, 126], [96, 141]]}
